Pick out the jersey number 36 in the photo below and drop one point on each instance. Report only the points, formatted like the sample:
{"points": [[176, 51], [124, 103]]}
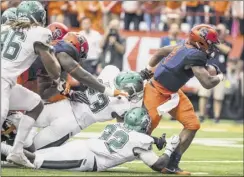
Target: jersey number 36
{"points": [[11, 44]]}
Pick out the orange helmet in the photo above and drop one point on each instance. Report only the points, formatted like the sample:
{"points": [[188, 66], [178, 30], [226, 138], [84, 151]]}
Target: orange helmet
{"points": [[204, 37], [58, 30], [79, 42]]}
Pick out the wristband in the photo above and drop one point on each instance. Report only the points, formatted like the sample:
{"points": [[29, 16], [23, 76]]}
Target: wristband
{"points": [[108, 91], [221, 77]]}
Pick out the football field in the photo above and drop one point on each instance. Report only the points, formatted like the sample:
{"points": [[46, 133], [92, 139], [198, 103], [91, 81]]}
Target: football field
{"points": [[216, 150]]}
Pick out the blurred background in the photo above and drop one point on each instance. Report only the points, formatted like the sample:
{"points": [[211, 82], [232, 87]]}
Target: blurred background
{"points": [[139, 28]]}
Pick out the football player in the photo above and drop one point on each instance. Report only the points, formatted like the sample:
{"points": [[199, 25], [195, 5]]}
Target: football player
{"points": [[162, 93], [44, 82], [119, 143], [22, 41], [68, 117], [70, 51], [9, 15]]}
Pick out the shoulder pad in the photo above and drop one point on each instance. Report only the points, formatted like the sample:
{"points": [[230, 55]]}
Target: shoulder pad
{"points": [[44, 35], [196, 58]]}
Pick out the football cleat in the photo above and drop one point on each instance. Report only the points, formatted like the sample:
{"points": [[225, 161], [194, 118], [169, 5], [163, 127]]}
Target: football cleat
{"points": [[175, 170]]}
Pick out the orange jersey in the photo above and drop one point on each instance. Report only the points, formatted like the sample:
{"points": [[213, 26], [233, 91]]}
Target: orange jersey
{"points": [[192, 3], [220, 6], [116, 9], [173, 4], [54, 8]]}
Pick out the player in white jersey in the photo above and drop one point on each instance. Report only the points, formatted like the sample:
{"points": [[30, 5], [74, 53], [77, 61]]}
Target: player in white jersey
{"points": [[22, 41], [66, 118], [118, 144], [9, 15]]}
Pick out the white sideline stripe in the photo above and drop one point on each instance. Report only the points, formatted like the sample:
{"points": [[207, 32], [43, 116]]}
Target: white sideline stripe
{"points": [[204, 161], [95, 135], [213, 130]]}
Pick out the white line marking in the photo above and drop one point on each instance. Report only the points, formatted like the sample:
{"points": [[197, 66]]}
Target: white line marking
{"points": [[94, 135], [120, 168], [214, 130], [204, 161], [200, 173]]}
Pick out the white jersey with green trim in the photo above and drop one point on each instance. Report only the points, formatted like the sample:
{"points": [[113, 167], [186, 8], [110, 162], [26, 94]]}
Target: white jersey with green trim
{"points": [[116, 146], [101, 106], [17, 53]]}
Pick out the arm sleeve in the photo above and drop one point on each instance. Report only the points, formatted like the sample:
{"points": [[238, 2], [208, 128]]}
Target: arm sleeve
{"points": [[147, 156]]}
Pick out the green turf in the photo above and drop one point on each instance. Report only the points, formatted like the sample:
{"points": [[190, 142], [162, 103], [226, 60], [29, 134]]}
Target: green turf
{"points": [[226, 161]]}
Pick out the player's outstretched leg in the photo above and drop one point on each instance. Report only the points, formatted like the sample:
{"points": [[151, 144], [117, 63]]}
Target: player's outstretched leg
{"points": [[185, 114], [27, 121], [186, 137]]}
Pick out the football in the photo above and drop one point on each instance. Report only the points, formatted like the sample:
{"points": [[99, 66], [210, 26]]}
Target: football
{"points": [[211, 69]]}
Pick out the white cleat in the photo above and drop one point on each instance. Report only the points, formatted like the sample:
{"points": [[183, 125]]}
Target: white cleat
{"points": [[19, 159]]}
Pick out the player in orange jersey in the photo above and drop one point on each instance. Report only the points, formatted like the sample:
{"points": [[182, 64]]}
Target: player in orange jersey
{"points": [[175, 66]]}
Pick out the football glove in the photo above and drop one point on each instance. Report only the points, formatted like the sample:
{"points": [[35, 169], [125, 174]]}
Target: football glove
{"points": [[160, 142], [146, 74], [63, 87]]}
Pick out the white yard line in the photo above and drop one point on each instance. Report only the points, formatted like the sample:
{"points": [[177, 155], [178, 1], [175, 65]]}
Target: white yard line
{"points": [[200, 161], [200, 173], [120, 168]]}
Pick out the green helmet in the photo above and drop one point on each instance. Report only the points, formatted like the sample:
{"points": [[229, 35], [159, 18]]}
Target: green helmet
{"points": [[31, 11], [9, 15], [137, 119], [132, 83]]}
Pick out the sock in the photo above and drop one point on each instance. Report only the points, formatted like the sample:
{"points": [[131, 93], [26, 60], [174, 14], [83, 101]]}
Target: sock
{"points": [[5, 149], [175, 159], [25, 126], [168, 152]]}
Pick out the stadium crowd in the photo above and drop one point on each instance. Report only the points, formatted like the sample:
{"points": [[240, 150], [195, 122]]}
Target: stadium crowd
{"points": [[108, 17], [157, 15]]}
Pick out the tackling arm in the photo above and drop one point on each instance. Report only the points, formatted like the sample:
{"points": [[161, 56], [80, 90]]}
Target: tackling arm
{"points": [[152, 160], [206, 80], [45, 87], [48, 59], [76, 71]]}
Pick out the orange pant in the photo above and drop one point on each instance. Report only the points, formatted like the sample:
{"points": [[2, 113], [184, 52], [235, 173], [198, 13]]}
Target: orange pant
{"points": [[157, 95]]}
